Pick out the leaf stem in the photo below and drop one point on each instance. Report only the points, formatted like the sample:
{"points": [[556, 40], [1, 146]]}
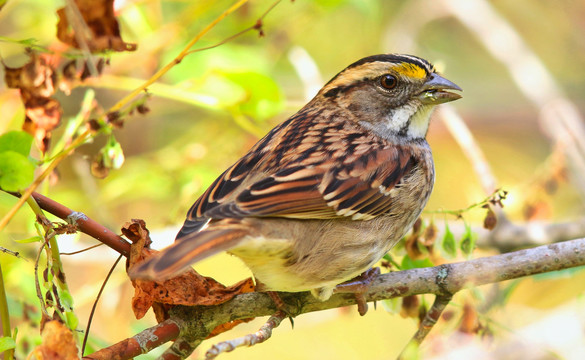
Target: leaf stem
{"points": [[5, 316]]}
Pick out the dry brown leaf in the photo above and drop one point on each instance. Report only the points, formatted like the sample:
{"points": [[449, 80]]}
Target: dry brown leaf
{"points": [[490, 221], [189, 288], [97, 27], [469, 320], [57, 343], [410, 306], [36, 81]]}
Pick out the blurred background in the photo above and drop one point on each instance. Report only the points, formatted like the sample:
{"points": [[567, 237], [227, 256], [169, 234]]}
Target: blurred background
{"points": [[520, 64]]}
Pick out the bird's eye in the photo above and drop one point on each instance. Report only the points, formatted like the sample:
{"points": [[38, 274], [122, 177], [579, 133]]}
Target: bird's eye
{"points": [[388, 81]]}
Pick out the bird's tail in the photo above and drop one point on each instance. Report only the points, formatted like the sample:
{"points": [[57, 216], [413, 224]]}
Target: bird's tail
{"points": [[176, 258]]}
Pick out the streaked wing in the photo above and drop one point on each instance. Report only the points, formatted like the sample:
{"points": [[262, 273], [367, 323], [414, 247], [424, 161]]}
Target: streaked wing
{"points": [[338, 173]]}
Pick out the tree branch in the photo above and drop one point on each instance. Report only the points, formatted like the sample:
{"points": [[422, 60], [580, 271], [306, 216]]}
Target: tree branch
{"points": [[83, 223], [196, 322]]}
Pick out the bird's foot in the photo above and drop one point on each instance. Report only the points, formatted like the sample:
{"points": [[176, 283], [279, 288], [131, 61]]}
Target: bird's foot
{"points": [[359, 286], [288, 310]]}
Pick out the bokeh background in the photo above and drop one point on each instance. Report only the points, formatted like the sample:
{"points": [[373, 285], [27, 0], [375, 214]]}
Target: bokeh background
{"points": [[520, 64]]}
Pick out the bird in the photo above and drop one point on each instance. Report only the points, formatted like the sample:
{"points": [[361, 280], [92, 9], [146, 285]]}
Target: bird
{"points": [[328, 192]]}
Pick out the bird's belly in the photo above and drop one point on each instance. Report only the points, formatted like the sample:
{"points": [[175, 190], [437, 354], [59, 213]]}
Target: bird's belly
{"points": [[321, 255], [268, 260]]}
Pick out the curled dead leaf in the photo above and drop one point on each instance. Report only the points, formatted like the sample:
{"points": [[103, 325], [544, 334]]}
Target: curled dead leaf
{"points": [[189, 288], [490, 221], [36, 81], [92, 24], [430, 235], [469, 320], [410, 307], [57, 343]]}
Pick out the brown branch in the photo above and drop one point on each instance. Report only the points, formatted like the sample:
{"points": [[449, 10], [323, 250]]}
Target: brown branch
{"points": [[140, 343], [84, 224], [195, 323]]}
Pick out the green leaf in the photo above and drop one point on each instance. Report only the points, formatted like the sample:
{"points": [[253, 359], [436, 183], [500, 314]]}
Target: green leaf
{"points": [[6, 343], [468, 241], [17, 141], [66, 299], [114, 153], [71, 319], [16, 171], [448, 242], [30, 240], [408, 263]]}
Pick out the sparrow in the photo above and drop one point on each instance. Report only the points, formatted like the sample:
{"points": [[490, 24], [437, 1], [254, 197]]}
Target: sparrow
{"points": [[325, 194]]}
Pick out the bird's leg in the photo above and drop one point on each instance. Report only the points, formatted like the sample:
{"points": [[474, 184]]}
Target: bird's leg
{"points": [[280, 305], [359, 286]]}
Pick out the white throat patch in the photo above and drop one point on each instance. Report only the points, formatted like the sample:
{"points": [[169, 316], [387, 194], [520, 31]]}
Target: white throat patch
{"points": [[415, 117]]}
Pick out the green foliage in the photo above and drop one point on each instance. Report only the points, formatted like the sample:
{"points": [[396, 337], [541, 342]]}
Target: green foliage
{"points": [[468, 241], [448, 243], [17, 141], [6, 343], [408, 263], [16, 169], [262, 96]]}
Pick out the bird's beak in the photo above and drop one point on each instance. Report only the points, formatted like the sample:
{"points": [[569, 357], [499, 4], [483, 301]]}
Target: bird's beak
{"points": [[434, 91]]}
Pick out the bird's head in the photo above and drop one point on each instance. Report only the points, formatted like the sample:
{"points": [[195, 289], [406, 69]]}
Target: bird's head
{"points": [[391, 94]]}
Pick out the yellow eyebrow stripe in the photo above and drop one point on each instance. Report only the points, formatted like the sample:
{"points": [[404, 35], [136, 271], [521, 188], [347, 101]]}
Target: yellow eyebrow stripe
{"points": [[410, 70]]}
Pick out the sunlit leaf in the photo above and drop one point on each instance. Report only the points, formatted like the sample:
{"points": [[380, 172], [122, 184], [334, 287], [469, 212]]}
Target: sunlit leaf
{"points": [[16, 171], [6, 343], [408, 263], [448, 243], [468, 241], [263, 97], [72, 320], [30, 240], [17, 141]]}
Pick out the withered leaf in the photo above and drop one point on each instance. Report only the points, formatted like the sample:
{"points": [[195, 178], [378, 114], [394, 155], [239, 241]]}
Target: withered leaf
{"points": [[490, 221], [57, 343], [189, 288], [469, 320], [410, 306], [94, 24], [36, 81]]}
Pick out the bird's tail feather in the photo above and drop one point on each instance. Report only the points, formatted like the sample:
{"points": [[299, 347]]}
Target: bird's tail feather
{"points": [[176, 258]]}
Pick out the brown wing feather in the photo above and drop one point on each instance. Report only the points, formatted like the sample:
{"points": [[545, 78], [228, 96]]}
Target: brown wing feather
{"points": [[342, 172]]}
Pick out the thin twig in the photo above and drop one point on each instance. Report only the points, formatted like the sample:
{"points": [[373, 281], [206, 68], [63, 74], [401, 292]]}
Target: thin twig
{"points": [[256, 26], [258, 337], [37, 283], [82, 250], [425, 327], [5, 316], [16, 254], [497, 194], [85, 336]]}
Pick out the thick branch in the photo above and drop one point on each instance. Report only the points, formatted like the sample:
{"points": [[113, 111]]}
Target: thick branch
{"points": [[197, 322]]}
